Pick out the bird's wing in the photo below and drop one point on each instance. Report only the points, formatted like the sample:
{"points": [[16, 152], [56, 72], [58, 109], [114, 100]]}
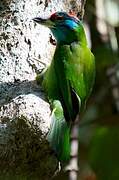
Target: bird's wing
{"points": [[68, 95], [80, 70], [75, 74], [59, 134]]}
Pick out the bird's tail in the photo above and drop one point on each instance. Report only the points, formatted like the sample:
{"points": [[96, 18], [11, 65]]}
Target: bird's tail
{"points": [[59, 134]]}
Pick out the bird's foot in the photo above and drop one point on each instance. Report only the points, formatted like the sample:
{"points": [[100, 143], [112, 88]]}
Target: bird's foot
{"points": [[40, 76], [52, 40], [57, 170]]}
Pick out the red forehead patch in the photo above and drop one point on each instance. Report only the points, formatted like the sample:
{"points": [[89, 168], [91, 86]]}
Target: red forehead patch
{"points": [[62, 16], [55, 16]]}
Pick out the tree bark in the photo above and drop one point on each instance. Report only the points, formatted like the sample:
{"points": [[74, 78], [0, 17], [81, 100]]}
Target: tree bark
{"points": [[24, 112]]}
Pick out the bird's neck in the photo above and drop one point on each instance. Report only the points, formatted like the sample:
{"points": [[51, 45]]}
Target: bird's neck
{"points": [[80, 35], [66, 37]]}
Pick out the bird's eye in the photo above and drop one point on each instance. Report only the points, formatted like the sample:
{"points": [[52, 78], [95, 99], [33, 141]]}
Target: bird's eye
{"points": [[59, 18]]}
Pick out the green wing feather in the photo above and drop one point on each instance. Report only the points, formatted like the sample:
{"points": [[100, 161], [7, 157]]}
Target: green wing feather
{"points": [[59, 134]]}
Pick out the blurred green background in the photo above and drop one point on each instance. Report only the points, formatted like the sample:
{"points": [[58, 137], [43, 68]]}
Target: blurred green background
{"points": [[99, 128]]}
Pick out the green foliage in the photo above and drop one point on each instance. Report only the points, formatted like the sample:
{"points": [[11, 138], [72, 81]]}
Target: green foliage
{"points": [[104, 153]]}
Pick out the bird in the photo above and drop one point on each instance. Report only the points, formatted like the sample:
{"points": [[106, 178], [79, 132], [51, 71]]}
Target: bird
{"points": [[69, 79]]}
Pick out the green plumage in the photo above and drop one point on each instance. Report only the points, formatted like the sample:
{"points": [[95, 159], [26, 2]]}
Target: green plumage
{"points": [[72, 68], [58, 135], [68, 81]]}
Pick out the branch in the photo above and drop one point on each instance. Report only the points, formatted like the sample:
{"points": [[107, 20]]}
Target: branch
{"points": [[72, 167]]}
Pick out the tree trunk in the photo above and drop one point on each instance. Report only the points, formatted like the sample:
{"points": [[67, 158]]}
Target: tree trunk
{"points": [[24, 112]]}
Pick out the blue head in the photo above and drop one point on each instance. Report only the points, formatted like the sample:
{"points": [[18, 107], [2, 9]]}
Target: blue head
{"points": [[65, 28]]}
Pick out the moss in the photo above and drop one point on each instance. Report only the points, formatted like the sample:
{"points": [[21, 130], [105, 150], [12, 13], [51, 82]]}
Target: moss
{"points": [[25, 153]]}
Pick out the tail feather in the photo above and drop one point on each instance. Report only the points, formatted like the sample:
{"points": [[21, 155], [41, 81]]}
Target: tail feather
{"points": [[59, 134]]}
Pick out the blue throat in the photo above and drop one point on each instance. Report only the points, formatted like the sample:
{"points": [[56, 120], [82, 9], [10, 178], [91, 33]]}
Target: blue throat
{"points": [[64, 32]]}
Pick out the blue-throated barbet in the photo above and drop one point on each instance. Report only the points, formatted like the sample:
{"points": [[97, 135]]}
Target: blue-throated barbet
{"points": [[69, 79]]}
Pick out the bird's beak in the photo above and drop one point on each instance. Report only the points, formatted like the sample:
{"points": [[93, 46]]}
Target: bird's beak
{"points": [[46, 22]]}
